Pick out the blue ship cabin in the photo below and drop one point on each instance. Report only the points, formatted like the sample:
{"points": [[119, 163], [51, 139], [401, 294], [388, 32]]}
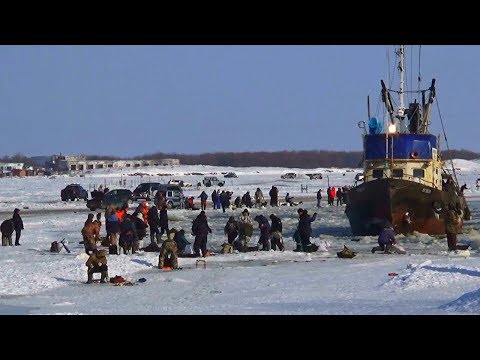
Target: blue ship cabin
{"points": [[405, 146], [414, 158]]}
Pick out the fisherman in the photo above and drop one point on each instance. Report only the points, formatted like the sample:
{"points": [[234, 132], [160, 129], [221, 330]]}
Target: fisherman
{"points": [[276, 233], [386, 240], [7, 231], [169, 252], [305, 230], [97, 263], [452, 218], [264, 227]]}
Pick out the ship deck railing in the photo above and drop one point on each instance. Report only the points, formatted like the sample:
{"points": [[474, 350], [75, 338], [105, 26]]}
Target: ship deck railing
{"points": [[404, 177]]}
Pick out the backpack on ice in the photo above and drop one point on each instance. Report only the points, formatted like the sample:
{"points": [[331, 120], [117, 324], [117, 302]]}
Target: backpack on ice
{"points": [[346, 253], [227, 248], [188, 250], [54, 247]]}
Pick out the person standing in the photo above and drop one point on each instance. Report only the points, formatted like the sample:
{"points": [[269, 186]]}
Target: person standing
{"points": [[333, 192], [259, 199], [276, 233], [214, 199], [264, 227], [273, 196], [154, 222], [17, 225], [7, 230], [305, 229], [339, 196], [245, 230], [163, 222], [112, 226], [203, 200], [452, 217], [200, 230], [224, 200], [319, 197]]}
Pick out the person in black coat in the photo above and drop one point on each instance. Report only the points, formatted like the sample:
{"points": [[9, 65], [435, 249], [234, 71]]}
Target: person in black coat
{"points": [[238, 202], [203, 200], [140, 225], [7, 230], [305, 227], [17, 225], [319, 197], [128, 236], [224, 200], [200, 230], [231, 230], [154, 222], [163, 218], [214, 199], [264, 226], [276, 233], [273, 196]]}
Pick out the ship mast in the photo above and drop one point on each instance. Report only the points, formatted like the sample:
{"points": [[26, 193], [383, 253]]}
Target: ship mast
{"points": [[401, 68]]}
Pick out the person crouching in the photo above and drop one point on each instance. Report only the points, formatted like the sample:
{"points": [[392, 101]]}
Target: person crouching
{"points": [[97, 263], [386, 239], [169, 252]]}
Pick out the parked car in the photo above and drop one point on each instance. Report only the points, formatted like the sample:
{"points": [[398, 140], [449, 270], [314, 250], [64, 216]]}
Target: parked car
{"points": [[289, 175], [315, 176], [115, 197], [212, 181], [231, 175], [73, 192], [173, 195], [180, 183], [146, 190]]}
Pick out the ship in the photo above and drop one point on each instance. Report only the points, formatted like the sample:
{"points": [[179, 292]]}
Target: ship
{"points": [[405, 181]]}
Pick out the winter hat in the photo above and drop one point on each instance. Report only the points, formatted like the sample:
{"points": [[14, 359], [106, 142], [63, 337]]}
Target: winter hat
{"points": [[300, 210], [245, 211]]}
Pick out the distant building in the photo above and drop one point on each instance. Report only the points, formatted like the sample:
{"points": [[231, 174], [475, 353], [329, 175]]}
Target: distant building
{"points": [[11, 166], [80, 163], [19, 172]]}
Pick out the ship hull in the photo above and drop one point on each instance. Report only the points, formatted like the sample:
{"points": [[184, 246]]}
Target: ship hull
{"points": [[371, 203]]}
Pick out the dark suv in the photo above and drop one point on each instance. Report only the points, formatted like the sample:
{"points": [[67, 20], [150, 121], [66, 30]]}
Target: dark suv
{"points": [[74, 192], [146, 190], [115, 197]]}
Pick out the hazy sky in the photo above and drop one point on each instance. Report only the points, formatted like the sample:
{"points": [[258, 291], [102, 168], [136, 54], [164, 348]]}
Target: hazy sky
{"points": [[135, 100]]}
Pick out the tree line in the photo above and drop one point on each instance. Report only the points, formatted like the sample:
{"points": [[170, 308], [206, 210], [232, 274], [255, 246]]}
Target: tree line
{"points": [[290, 159]]}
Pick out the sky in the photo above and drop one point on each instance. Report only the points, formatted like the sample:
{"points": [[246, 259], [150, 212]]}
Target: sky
{"points": [[425, 281], [186, 99]]}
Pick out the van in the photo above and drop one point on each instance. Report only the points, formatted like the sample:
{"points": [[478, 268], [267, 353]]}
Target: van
{"points": [[173, 194]]}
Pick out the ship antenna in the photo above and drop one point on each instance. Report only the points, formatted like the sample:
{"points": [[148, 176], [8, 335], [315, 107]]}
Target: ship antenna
{"points": [[419, 67]]}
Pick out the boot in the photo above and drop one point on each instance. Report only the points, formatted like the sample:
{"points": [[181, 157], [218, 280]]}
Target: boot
{"points": [[90, 277], [104, 277], [377, 248]]}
